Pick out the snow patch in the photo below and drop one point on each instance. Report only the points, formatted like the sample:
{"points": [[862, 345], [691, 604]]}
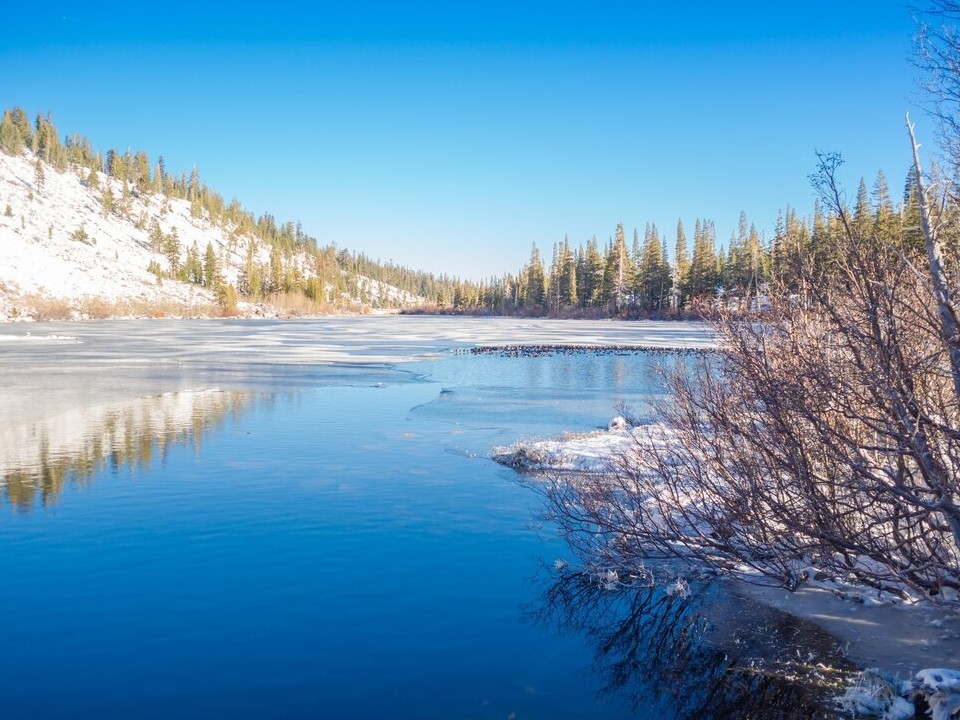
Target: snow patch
{"points": [[874, 694], [599, 451]]}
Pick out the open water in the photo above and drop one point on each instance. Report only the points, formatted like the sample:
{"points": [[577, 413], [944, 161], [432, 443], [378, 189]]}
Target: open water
{"points": [[262, 519]]}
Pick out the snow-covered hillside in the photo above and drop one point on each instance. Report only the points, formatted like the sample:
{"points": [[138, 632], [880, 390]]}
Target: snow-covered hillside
{"points": [[61, 255]]}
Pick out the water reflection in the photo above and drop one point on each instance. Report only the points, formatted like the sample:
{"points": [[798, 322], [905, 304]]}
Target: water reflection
{"points": [[660, 650], [38, 460]]}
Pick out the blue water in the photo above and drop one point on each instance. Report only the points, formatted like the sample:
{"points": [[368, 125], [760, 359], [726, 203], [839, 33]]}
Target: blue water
{"points": [[317, 551], [310, 540]]}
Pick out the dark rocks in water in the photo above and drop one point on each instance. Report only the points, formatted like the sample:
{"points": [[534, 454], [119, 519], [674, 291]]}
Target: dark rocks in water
{"points": [[548, 350]]}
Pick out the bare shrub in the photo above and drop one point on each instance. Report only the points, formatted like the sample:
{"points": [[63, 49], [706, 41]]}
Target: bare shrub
{"points": [[43, 308], [296, 305], [825, 436], [96, 308]]}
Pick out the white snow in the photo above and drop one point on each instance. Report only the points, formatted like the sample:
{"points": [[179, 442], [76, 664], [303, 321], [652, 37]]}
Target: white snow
{"points": [[592, 452], [940, 687], [378, 293], [28, 338], [876, 695], [39, 255]]}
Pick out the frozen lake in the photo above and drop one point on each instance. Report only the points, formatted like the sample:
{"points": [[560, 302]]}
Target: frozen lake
{"points": [[299, 519]]}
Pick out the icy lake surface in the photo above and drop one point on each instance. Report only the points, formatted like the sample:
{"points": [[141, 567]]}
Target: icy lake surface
{"points": [[300, 519]]}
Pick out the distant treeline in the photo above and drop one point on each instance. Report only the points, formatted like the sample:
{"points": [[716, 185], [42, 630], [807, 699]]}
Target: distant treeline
{"points": [[641, 279]]}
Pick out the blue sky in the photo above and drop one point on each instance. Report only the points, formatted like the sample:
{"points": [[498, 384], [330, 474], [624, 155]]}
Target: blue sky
{"points": [[450, 136]]}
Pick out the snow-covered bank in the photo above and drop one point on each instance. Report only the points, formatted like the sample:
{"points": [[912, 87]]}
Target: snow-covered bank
{"points": [[588, 452], [900, 640]]}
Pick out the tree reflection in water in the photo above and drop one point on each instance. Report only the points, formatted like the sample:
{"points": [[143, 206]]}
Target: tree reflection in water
{"points": [[660, 650], [38, 461]]}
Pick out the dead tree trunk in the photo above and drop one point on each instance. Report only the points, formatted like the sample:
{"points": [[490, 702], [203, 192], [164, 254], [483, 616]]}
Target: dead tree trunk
{"points": [[941, 285]]}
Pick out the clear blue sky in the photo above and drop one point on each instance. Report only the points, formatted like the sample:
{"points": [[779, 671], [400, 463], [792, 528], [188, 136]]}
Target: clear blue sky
{"points": [[449, 136]]}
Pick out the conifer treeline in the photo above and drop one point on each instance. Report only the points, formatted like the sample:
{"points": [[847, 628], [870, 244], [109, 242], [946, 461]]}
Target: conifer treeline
{"points": [[658, 276], [651, 276]]}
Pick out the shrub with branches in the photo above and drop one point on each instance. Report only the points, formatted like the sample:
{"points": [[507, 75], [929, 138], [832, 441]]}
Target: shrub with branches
{"points": [[824, 439]]}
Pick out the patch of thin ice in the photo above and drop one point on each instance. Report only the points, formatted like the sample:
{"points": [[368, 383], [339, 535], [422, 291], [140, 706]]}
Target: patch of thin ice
{"points": [[39, 338]]}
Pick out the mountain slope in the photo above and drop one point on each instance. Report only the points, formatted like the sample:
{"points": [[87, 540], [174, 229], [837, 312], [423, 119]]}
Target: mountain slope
{"points": [[79, 244]]}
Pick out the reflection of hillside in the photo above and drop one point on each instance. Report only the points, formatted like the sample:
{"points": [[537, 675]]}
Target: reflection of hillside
{"points": [[37, 460], [658, 648]]}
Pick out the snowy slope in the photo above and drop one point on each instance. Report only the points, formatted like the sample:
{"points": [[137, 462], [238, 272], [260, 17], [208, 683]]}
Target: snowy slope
{"points": [[38, 254], [41, 259]]}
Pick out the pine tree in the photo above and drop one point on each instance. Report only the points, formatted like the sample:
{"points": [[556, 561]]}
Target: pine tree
{"points": [[535, 286], [817, 252], [10, 140], [193, 187], [210, 267], [617, 273], [38, 176], [22, 123], [46, 141], [654, 273], [275, 282], [172, 251], [251, 279], [910, 214], [93, 180], [156, 236], [886, 221], [680, 277], [703, 266], [756, 261], [590, 277], [107, 200], [192, 270], [141, 173], [862, 214], [553, 285], [568, 276]]}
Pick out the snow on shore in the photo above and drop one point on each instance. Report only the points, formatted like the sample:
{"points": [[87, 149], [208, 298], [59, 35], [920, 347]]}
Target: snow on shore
{"points": [[877, 695], [873, 632], [591, 452]]}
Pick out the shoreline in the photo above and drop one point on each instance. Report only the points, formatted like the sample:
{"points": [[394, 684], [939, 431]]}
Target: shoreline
{"points": [[898, 639]]}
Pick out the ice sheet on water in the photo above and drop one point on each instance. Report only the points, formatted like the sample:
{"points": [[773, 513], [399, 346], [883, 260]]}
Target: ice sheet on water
{"points": [[109, 362], [30, 338]]}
